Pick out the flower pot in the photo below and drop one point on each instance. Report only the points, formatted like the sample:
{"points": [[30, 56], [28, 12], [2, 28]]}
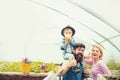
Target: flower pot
{"points": [[25, 68]]}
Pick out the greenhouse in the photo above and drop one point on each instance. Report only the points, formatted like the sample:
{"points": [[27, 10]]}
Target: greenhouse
{"points": [[32, 28]]}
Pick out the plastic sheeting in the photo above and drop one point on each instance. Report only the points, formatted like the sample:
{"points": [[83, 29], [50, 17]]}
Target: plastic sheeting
{"points": [[31, 28]]}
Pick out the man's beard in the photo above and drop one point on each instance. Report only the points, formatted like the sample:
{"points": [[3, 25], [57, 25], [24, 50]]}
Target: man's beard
{"points": [[78, 57]]}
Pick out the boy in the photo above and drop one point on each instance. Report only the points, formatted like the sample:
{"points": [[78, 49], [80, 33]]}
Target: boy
{"points": [[67, 47]]}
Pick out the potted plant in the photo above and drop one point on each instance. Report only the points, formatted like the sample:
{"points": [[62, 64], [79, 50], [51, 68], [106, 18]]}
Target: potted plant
{"points": [[25, 66]]}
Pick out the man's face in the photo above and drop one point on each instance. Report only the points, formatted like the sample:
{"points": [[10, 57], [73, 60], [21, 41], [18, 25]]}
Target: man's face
{"points": [[78, 53]]}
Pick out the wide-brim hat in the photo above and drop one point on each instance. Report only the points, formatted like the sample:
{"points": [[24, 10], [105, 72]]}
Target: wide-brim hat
{"points": [[68, 27]]}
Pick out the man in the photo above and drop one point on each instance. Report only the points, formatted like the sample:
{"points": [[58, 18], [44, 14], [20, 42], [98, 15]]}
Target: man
{"points": [[75, 73], [72, 72]]}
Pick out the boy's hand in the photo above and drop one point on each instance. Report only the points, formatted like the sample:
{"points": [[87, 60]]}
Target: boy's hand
{"points": [[67, 38]]}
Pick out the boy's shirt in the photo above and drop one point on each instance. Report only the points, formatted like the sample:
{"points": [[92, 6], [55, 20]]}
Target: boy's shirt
{"points": [[67, 47]]}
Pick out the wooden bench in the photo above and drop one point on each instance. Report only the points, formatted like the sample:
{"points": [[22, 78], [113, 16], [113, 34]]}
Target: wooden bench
{"points": [[20, 76], [40, 76]]}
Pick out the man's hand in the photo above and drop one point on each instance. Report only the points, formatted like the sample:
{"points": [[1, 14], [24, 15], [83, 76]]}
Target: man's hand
{"points": [[85, 70], [65, 67]]}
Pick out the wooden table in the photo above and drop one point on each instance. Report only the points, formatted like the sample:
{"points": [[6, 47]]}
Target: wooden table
{"points": [[20, 76]]}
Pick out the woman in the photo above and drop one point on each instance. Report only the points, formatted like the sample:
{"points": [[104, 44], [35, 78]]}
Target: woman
{"points": [[95, 59]]}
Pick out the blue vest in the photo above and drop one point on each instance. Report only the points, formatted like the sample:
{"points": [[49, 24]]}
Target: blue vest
{"points": [[69, 75]]}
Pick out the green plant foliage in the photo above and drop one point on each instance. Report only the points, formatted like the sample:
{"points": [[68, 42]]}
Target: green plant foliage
{"points": [[113, 65], [51, 67], [10, 67], [35, 67], [88, 66]]}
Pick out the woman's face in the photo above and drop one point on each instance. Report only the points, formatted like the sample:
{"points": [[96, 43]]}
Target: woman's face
{"points": [[95, 53]]}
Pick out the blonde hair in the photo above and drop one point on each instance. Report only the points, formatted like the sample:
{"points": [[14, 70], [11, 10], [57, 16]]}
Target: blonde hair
{"points": [[100, 49]]}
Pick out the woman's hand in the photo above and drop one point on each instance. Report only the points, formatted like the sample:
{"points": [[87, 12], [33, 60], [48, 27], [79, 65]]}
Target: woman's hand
{"points": [[88, 56]]}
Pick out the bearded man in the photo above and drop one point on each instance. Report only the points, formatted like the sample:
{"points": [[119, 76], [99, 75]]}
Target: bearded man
{"points": [[76, 72]]}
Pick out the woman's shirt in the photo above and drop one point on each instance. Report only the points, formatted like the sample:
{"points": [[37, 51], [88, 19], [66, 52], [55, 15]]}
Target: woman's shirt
{"points": [[98, 68]]}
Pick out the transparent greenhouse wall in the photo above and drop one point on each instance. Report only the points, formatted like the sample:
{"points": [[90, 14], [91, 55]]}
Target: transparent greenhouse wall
{"points": [[50, 52], [110, 51]]}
